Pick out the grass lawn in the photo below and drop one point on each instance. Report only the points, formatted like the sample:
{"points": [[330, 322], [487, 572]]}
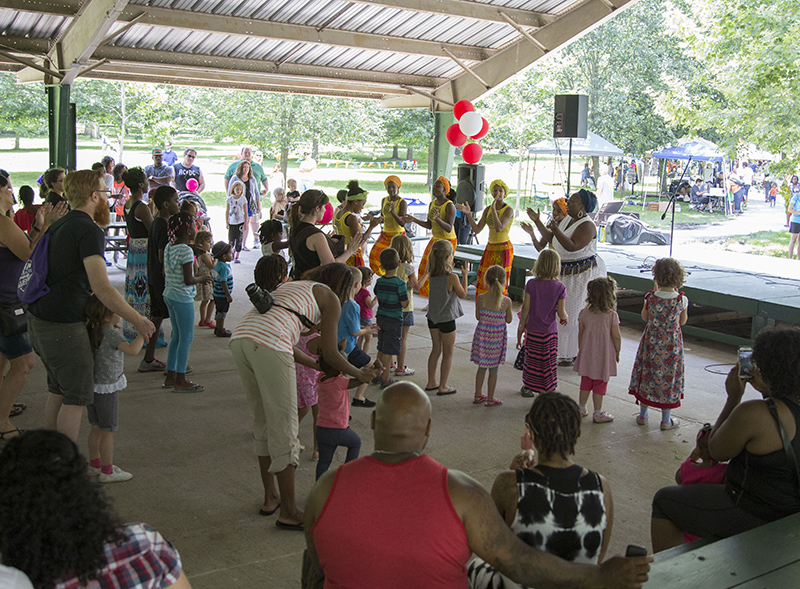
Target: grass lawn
{"points": [[763, 243]]}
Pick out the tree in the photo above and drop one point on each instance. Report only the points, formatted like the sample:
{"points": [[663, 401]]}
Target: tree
{"points": [[409, 128], [23, 108]]}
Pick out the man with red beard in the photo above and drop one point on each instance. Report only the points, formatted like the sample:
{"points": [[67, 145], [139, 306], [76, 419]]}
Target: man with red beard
{"points": [[56, 323]]}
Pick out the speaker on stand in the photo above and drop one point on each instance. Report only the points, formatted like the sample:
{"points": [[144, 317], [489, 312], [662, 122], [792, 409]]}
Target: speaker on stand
{"points": [[469, 190], [570, 119]]}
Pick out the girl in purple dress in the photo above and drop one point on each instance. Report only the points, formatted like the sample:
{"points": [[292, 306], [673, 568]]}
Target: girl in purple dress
{"points": [[599, 343], [657, 376]]}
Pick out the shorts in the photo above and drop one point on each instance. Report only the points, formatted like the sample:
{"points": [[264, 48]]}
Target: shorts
{"points": [[358, 357], [390, 336], [158, 308], [794, 228], [222, 304], [366, 321], [408, 318], [446, 327], [14, 346], [598, 387], [103, 411], [66, 353]]}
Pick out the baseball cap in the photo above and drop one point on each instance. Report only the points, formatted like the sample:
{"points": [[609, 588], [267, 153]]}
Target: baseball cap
{"points": [[220, 249], [157, 151]]}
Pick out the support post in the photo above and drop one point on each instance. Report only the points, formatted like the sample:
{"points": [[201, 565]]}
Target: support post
{"points": [[440, 156], [61, 120]]}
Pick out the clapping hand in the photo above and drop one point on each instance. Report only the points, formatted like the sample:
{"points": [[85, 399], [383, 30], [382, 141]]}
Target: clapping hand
{"points": [[464, 208], [534, 215], [527, 228]]}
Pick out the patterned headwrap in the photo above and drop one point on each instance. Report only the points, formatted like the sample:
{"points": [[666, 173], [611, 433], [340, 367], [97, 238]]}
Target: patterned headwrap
{"points": [[446, 183], [355, 192], [177, 224], [392, 178], [498, 182], [588, 199], [561, 203]]}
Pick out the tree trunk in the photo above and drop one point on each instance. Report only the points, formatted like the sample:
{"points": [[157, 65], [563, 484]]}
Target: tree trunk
{"points": [[16, 139], [394, 153], [285, 162], [315, 147], [410, 153], [596, 169], [123, 121]]}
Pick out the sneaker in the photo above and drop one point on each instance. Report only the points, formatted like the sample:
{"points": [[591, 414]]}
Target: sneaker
{"points": [[222, 332], [93, 472], [602, 417], [362, 403], [584, 411], [153, 365], [117, 476], [641, 420], [245, 248], [526, 392], [673, 424], [406, 371]]}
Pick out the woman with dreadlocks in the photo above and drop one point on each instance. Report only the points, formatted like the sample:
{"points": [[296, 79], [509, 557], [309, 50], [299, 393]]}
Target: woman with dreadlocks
{"points": [[179, 292], [555, 505]]}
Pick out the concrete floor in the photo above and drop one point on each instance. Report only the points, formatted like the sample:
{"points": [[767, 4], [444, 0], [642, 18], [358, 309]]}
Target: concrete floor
{"points": [[196, 477]]}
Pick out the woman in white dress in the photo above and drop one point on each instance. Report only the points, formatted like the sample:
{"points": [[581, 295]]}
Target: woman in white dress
{"points": [[575, 240]]}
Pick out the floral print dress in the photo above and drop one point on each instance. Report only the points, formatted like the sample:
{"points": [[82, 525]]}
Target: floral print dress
{"points": [[657, 376]]}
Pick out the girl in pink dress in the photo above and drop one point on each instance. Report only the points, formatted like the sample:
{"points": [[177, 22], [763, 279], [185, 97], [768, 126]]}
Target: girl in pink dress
{"points": [[599, 343], [657, 375]]}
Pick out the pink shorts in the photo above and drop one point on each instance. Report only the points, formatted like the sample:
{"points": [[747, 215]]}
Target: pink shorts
{"points": [[598, 387]]}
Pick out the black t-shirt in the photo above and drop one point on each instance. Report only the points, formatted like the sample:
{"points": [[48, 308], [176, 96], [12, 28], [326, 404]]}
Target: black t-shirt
{"points": [[182, 174], [156, 240], [74, 237]]}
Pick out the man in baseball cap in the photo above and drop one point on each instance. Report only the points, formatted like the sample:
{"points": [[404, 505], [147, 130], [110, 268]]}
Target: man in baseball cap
{"points": [[159, 173]]}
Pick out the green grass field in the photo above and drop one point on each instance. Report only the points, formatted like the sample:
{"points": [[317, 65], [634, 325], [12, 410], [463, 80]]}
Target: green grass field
{"points": [[763, 243]]}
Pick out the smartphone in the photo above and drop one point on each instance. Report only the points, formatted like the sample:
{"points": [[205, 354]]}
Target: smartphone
{"points": [[745, 361], [633, 551]]}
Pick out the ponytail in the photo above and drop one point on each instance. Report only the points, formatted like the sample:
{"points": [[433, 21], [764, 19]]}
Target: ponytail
{"points": [[495, 279], [310, 200], [48, 178]]}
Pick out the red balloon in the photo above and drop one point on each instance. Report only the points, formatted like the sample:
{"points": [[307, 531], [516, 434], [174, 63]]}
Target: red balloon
{"points": [[462, 106], [484, 130], [326, 218], [472, 153], [454, 136]]}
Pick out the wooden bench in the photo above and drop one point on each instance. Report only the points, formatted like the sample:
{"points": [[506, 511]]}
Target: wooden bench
{"points": [[764, 557]]}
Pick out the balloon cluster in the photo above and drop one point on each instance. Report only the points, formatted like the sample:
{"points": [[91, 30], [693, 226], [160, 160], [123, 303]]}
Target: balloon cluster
{"points": [[470, 125]]}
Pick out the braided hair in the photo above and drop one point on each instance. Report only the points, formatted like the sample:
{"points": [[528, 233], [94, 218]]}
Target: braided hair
{"points": [[179, 225], [555, 422]]}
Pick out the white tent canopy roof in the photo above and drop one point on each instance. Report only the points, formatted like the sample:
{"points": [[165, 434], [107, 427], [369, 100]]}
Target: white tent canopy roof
{"points": [[592, 145]]}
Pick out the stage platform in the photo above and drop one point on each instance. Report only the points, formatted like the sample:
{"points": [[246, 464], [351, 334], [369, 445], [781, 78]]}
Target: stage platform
{"points": [[729, 305]]}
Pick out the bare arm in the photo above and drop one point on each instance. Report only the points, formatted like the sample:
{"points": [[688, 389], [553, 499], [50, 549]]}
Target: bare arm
{"points": [[478, 307], [12, 237], [201, 183], [645, 310], [98, 279], [498, 222], [400, 216], [561, 311], [300, 357], [509, 314], [580, 238], [189, 278], [146, 216], [459, 286], [330, 308], [523, 318], [467, 212], [608, 499], [318, 243], [616, 337], [450, 216], [182, 582], [132, 348], [684, 315]]}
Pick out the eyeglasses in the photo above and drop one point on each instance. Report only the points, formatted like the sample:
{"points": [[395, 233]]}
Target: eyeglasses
{"points": [[106, 191], [191, 156]]}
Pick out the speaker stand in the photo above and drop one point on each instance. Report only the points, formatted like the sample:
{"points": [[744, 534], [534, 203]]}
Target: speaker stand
{"points": [[569, 167]]}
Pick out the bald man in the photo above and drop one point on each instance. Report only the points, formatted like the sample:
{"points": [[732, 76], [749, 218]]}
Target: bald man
{"points": [[400, 519]]}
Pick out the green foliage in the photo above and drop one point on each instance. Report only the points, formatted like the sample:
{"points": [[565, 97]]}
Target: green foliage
{"points": [[23, 107], [406, 127]]}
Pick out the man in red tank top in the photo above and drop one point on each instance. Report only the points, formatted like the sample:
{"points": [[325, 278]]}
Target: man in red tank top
{"points": [[399, 519]]}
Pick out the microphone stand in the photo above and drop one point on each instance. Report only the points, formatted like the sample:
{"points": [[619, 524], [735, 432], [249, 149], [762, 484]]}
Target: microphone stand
{"points": [[671, 203]]}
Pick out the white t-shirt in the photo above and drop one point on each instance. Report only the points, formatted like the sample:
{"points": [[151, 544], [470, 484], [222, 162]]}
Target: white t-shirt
{"points": [[236, 210], [11, 578], [746, 174], [605, 190]]}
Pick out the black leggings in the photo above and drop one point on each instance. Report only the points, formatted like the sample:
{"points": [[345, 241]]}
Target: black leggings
{"points": [[703, 511], [235, 236]]}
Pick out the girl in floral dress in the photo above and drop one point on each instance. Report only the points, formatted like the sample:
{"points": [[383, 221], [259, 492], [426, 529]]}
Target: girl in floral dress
{"points": [[493, 312], [657, 376]]}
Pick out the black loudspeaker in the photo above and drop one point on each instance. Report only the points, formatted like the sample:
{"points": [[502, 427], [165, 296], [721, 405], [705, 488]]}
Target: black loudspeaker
{"points": [[470, 186], [571, 115]]}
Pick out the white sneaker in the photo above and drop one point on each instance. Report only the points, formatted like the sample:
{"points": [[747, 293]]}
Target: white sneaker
{"points": [[673, 424], [117, 476], [153, 365], [406, 371], [93, 472]]}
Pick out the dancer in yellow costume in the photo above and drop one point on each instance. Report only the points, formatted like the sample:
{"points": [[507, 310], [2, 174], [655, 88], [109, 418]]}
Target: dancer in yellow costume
{"points": [[441, 216], [498, 217], [393, 211], [348, 221]]}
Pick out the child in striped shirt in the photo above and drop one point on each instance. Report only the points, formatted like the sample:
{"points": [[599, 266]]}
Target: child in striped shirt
{"points": [[392, 294], [223, 285]]}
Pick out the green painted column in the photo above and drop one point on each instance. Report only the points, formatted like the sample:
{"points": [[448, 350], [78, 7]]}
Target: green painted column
{"points": [[61, 122], [441, 153]]}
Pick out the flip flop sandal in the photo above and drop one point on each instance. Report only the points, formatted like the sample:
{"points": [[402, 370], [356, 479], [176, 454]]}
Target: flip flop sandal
{"points": [[15, 411], [195, 388], [22, 406], [450, 391], [167, 386], [433, 388], [479, 400], [285, 526], [11, 431], [493, 403], [270, 512]]}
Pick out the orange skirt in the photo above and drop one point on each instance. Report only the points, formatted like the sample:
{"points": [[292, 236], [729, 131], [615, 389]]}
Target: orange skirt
{"points": [[357, 259], [500, 254], [383, 241], [423, 265]]}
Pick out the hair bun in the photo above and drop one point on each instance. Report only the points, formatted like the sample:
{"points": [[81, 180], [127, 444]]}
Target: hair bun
{"points": [[353, 187]]}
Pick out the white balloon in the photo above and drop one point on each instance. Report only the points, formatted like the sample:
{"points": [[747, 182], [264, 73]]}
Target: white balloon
{"points": [[470, 123]]}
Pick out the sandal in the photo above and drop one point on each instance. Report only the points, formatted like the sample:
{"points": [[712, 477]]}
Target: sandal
{"points": [[479, 400], [11, 431], [389, 382], [433, 388], [192, 388], [493, 403], [16, 410], [449, 391]]}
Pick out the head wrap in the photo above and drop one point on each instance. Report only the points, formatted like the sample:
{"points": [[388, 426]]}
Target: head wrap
{"points": [[588, 199], [392, 178], [358, 196], [498, 182], [355, 192], [446, 183], [561, 203]]}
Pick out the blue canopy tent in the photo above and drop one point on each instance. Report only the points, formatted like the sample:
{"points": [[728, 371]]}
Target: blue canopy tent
{"points": [[697, 150]]}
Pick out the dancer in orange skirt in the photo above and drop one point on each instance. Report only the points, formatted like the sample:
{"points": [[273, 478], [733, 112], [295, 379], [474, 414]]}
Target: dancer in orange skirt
{"points": [[441, 216], [498, 217], [348, 221], [393, 212]]}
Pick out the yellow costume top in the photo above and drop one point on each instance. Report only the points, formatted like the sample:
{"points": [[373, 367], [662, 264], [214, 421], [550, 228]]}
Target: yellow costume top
{"points": [[342, 227], [436, 231], [390, 226], [494, 236]]}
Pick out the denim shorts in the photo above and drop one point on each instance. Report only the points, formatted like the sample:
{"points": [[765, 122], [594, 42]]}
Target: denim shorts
{"points": [[14, 346], [103, 411], [390, 337], [365, 321], [408, 318], [358, 357]]}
